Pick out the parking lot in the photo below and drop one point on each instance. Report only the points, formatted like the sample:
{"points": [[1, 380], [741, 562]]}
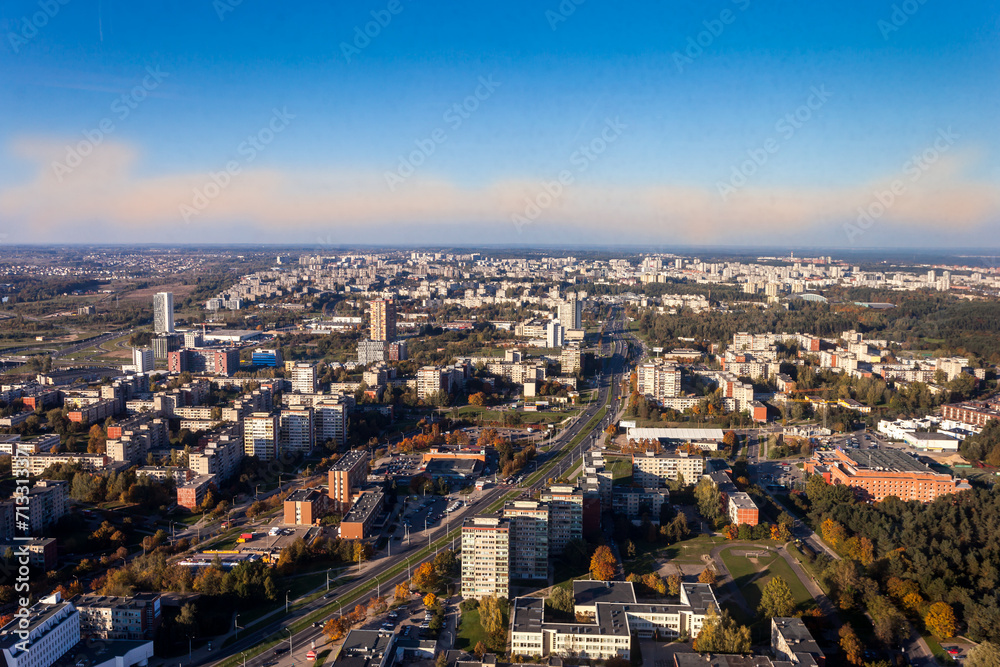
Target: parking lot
{"points": [[429, 511]]}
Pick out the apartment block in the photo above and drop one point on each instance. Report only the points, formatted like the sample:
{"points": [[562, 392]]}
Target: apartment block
{"points": [[347, 475], [658, 380], [38, 463], [383, 319], [360, 522], [260, 435], [113, 617], [220, 457], [303, 378], [305, 507], [742, 509], [192, 493], [565, 503], [297, 431], [485, 557], [636, 502], [48, 500], [650, 469], [529, 538]]}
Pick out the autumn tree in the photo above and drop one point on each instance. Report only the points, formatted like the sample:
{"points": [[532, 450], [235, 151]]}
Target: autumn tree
{"points": [[851, 645], [721, 634], [491, 618], [940, 619], [335, 628], [430, 600], [707, 576], [603, 564], [833, 532], [776, 599], [97, 440], [402, 592], [674, 585], [425, 578]]}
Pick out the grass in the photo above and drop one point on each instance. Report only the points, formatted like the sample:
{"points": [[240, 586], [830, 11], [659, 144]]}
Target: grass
{"points": [[751, 584], [620, 466], [935, 646], [691, 551], [470, 632]]}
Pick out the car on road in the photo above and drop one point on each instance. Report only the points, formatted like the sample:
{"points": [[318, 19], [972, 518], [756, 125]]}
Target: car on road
{"points": [[280, 650]]}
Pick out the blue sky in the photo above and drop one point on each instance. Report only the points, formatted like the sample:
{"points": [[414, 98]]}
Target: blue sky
{"points": [[672, 125]]}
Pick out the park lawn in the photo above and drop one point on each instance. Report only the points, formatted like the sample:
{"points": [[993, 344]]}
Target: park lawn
{"points": [[690, 551], [743, 571], [470, 631]]}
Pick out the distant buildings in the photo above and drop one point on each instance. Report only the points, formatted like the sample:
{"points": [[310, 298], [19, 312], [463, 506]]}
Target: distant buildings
{"points": [[163, 313], [565, 503], [360, 522], [529, 539], [303, 378], [260, 435]]}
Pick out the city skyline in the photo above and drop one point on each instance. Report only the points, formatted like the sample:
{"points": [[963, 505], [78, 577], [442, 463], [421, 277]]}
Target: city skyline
{"points": [[856, 126]]}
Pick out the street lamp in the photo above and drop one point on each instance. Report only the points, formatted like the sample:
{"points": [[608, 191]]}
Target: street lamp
{"points": [[289, 631]]}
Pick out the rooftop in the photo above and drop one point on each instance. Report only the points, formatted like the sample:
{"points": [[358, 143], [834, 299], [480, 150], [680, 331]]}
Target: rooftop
{"points": [[369, 502], [889, 460], [350, 459], [587, 593], [304, 495]]}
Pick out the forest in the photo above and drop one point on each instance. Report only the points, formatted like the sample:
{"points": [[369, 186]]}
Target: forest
{"points": [[909, 556]]}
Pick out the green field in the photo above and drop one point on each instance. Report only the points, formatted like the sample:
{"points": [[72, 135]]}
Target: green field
{"points": [[750, 578], [470, 632]]}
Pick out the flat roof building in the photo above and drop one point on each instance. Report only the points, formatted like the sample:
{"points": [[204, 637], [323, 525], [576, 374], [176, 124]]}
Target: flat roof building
{"points": [[877, 473]]}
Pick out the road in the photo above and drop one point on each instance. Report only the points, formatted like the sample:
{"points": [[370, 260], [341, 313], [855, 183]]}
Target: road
{"points": [[553, 463]]}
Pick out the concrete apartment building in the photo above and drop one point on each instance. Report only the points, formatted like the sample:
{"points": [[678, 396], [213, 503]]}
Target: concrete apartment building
{"points": [[485, 557], [650, 469], [112, 617], [614, 617], [305, 507], [658, 380], [742, 509], [303, 378], [220, 457], [973, 413], [877, 473], [347, 475], [192, 493], [297, 431], [383, 319], [529, 538], [360, 522], [163, 313], [565, 503], [260, 435], [633, 502]]}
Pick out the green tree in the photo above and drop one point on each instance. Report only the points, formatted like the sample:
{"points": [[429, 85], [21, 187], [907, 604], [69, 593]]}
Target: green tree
{"points": [[562, 599], [987, 654], [776, 599]]}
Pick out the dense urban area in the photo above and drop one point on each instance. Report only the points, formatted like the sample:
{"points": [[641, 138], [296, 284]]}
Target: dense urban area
{"points": [[366, 457]]}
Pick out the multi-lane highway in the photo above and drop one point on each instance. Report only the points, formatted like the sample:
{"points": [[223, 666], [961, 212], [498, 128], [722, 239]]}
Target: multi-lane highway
{"points": [[386, 571]]}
